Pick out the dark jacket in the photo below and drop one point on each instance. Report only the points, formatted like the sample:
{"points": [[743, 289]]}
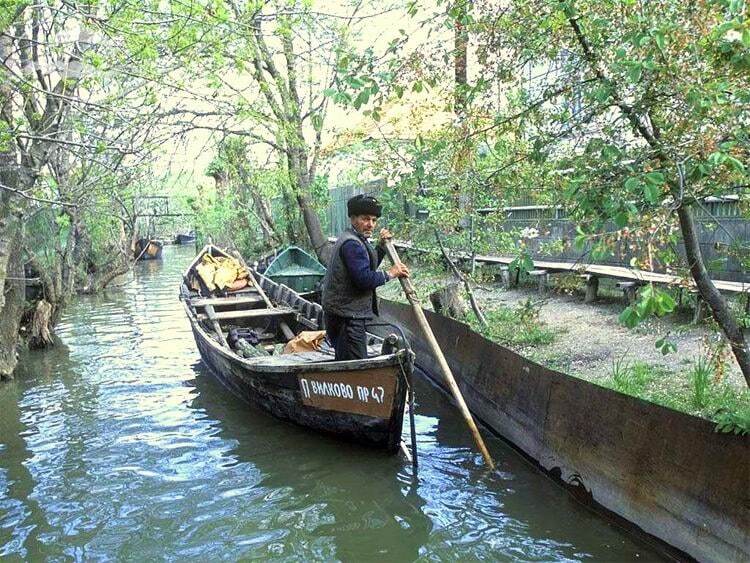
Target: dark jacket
{"points": [[350, 282]]}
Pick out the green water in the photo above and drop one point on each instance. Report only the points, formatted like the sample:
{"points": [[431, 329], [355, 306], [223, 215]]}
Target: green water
{"points": [[118, 444]]}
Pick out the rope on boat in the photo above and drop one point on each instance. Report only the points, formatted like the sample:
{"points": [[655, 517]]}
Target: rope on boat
{"points": [[412, 424]]}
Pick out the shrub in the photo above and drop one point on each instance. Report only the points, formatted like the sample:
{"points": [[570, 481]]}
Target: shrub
{"points": [[700, 379]]}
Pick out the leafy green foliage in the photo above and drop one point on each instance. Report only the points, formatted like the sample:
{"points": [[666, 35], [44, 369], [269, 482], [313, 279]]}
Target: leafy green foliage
{"points": [[700, 379], [651, 301], [733, 422], [515, 327], [522, 263], [628, 378], [665, 346]]}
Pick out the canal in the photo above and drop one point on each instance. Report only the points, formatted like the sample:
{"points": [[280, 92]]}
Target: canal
{"points": [[118, 444]]}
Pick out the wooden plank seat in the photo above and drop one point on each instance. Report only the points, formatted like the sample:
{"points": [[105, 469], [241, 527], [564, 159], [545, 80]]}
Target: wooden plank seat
{"points": [[247, 299], [600, 270], [592, 287], [250, 313]]}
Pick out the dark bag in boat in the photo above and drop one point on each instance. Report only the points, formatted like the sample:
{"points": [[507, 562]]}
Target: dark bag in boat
{"points": [[249, 335]]}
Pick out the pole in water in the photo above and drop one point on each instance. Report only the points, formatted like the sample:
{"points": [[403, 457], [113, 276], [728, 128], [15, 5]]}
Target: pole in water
{"points": [[408, 288], [412, 424]]}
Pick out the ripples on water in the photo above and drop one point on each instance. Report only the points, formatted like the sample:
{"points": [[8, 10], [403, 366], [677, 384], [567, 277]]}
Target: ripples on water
{"points": [[119, 445]]}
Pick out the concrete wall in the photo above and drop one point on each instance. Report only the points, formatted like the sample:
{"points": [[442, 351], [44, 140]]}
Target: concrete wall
{"points": [[666, 472]]}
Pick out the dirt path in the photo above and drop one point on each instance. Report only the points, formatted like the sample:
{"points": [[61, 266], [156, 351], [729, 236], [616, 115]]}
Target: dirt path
{"points": [[589, 338]]}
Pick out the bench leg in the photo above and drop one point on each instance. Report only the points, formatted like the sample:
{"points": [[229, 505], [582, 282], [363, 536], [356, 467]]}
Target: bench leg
{"points": [[630, 294], [592, 290], [543, 284], [505, 275], [700, 310]]}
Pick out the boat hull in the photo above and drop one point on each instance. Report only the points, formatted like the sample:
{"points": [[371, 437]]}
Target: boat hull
{"points": [[184, 239], [146, 249], [296, 269], [369, 409]]}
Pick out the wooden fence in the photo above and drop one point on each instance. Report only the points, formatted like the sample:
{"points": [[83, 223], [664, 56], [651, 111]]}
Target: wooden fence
{"points": [[720, 227]]}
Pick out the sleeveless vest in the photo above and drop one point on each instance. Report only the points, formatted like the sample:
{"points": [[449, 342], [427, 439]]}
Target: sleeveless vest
{"points": [[340, 296]]}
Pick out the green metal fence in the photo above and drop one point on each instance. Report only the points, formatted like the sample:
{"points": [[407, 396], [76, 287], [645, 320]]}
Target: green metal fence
{"points": [[338, 219]]}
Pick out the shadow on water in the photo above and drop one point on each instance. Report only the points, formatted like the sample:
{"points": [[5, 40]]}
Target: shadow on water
{"points": [[374, 508], [515, 512], [371, 506]]}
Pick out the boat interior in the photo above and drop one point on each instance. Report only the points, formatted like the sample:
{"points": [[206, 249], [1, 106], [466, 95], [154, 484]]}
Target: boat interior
{"points": [[257, 321]]}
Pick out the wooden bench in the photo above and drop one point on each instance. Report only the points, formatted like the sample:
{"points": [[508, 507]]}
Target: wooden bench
{"points": [[250, 313], [247, 299]]}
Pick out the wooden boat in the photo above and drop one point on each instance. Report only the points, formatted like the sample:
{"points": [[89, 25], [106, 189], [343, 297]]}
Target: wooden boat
{"points": [[185, 238], [358, 400], [148, 249], [294, 268]]}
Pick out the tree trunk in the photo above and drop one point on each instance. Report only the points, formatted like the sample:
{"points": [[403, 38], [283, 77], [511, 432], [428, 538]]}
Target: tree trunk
{"points": [[120, 265], [41, 326], [222, 179], [707, 289], [317, 238], [460, 44], [262, 212], [460, 107], [265, 219], [301, 185], [448, 301], [11, 311], [12, 291], [708, 292]]}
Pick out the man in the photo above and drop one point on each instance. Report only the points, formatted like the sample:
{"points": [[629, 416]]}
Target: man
{"points": [[349, 298]]}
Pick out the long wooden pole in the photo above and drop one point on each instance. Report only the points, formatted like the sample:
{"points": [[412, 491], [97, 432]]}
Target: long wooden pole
{"points": [[408, 288]]}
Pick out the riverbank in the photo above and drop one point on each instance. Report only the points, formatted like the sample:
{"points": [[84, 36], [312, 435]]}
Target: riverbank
{"points": [[586, 340]]}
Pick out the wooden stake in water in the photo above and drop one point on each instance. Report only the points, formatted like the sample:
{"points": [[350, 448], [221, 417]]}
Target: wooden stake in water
{"points": [[411, 295]]}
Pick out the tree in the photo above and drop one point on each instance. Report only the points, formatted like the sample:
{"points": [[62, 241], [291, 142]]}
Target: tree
{"points": [[34, 103], [66, 127], [232, 170], [639, 109], [663, 123], [268, 69]]}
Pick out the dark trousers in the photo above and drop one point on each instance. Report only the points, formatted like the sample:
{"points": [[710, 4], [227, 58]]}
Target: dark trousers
{"points": [[348, 337]]}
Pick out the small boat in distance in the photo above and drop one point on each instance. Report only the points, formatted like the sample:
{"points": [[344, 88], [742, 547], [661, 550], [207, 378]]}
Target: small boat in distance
{"points": [[294, 268], [358, 400], [148, 249], [185, 238]]}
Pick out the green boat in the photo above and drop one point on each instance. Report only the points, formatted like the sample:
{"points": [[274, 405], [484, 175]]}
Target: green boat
{"points": [[297, 270]]}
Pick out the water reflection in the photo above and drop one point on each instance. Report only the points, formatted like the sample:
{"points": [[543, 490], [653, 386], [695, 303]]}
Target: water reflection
{"points": [[360, 501], [119, 445]]}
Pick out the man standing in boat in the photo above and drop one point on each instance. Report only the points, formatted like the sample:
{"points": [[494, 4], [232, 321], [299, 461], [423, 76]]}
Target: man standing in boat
{"points": [[349, 298]]}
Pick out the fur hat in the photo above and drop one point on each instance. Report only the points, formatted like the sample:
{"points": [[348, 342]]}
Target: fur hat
{"points": [[364, 205]]}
